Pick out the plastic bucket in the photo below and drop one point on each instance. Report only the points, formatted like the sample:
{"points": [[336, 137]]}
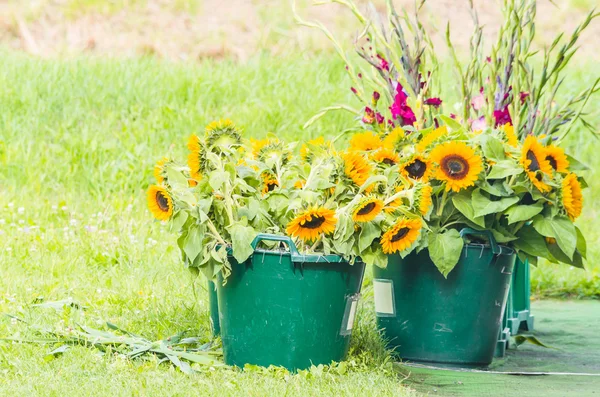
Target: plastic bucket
{"points": [[454, 321], [518, 309], [285, 309], [213, 305]]}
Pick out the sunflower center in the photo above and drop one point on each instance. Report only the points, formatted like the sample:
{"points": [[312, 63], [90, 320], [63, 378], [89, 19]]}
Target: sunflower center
{"points": [[534, 164], [271, 186], [416, 169], [315, 222], [552, 162], [162, 202], [456, 167], [400, 234], [388, 161], [366, 209]]}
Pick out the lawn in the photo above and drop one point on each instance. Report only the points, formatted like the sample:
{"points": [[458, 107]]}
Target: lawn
{"points": [[78, 140]]}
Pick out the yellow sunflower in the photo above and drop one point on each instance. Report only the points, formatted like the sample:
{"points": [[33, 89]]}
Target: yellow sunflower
{"points": [[509, 134], [356, 167], [299, 184], [557, 158], [459, 166], [270, 182], [401, 235], [159, 170], [160, 202], [365, 141], [386, 156], [321, 147], [311, 223], [393, 140], [418, 168], [195, 158], [423, 200], [533, 160], [270, 149], [572, 199], [367, 209], [222, 133], [432, 137]]}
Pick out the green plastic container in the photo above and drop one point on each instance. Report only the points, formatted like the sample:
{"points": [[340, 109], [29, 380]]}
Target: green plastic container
{"points": [[285, 309], [454, 321], [213, 304], [518, 310]]}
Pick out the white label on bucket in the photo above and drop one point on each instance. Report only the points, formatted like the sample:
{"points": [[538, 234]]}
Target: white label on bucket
{"points": [[384, 298], [351, 315]]}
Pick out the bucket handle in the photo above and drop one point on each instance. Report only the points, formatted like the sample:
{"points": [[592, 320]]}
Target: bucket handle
{"points": [[271, 237], [467, 231]]}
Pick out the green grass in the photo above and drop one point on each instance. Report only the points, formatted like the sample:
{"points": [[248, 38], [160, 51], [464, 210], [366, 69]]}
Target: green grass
{"points": [[78, 140]]}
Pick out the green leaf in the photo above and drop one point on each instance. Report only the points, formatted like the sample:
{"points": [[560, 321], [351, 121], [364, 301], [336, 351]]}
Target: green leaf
{"points": [[374, 257], [561, 228], [464, 205], [493, 148], [498, 188], [531, 242], [483, 205], [241, 241], [519, 213], [217, 178], [178, 221], [369, 232], [176, 178], [445, 249], [576, 165], [501, 235], [193, 241], [520, 339], [452, 124], [503, 169], [581, 244], [556, 252], [56, 353]]}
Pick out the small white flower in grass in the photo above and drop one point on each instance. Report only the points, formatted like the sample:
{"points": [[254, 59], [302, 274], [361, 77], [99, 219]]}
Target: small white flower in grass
{"points": [[54, 207], [10, 205], [21, 221], [64, 208], [8, 249], [13, 321], [21, 210], [73, 222], [2, 221], [65, 229]]}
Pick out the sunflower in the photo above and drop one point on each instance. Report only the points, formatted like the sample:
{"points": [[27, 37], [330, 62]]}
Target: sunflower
{"points": [[418, 168], [572, 199], [196, 158], [160, 171], [386, 156], [423, 200], [401, 235], [270, 149], [393, 140], [533, 160], [270, 182], [356, 167], [459, 166], [160, 202], [299, 184], [315, 147], [509, 134], [367, 209], [222, 133], [557, 158], [432, 137], [311, 223], [365, 141]]}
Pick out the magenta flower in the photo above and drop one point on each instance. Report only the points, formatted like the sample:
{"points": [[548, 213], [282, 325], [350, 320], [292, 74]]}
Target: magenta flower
{"points": [[383, 64], [436, 102], [380, 119], [400, 110], [502, 116], [369, 116]]}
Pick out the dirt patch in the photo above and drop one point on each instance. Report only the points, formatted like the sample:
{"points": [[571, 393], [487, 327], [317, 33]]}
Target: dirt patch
{"points": [[240, 28]]}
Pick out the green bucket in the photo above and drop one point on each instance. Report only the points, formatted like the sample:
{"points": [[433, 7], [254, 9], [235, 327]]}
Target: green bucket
{"points": [[455, 321], [213, 304], [286, 309], [518, 309]]}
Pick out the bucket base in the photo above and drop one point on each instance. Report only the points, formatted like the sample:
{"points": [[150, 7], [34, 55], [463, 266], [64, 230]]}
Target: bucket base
{"points": [[522, 321], [438, 364]]}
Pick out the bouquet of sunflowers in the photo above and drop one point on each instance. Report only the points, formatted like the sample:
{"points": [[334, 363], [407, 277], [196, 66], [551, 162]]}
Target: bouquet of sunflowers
{"points": [[413, 177]]}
